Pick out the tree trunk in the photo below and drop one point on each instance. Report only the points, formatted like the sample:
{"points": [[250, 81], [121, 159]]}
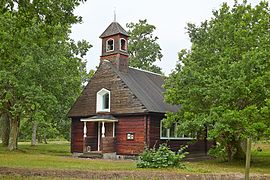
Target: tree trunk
{"points": [[239, 154], [5, 124], [34, 133], [39, 139], [14, 125], [229, 150], [45, 138]]}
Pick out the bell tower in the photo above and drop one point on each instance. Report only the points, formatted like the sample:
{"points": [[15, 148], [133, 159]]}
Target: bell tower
{"points": [[114, 46]]}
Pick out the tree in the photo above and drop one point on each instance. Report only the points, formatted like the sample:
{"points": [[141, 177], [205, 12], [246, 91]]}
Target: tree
{"points": [[223, 81], [41, 69], [143, 47]]}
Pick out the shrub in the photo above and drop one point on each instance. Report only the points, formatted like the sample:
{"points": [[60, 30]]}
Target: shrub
{"points": [[162, 157], [218, 151]]}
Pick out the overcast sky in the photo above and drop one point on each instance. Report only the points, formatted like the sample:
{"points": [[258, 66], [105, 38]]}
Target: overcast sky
{"points": [[169, 16]]}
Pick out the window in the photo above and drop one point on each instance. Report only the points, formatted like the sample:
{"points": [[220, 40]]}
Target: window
{"points": [[109, 45], [123, 44], [103, 100], [171, 133], [130, 136]]}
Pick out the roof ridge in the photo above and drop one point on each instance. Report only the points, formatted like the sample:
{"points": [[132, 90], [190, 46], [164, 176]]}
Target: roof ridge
{"points": [[143, 70]]}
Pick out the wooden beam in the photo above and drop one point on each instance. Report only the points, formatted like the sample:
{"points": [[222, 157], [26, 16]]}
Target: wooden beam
{"points": [[248, 157]]}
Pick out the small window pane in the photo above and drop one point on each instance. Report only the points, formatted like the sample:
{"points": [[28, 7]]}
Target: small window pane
{"points": [[123, 44], [105, 101], [172, 131], [163, 130], [110, 45]]}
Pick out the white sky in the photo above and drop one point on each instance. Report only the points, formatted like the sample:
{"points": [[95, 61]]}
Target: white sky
{"points": [[169, 16]]}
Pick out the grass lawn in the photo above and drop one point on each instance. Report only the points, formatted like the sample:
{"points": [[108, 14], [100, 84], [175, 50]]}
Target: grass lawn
{"points": [[56, 156], [260, 163]]}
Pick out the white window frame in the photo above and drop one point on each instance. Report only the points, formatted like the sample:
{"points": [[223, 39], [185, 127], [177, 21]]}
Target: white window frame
{"points": [[108, 45], [99, 102], [120, 45], [175, 134]]}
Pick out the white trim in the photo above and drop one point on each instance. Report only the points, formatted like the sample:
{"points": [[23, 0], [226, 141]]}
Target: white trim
{"points": [[98, 136], [103, 129], [98, 120], [113, 129], [84, 129], [99, 96], [120, 45], [107, 45]]}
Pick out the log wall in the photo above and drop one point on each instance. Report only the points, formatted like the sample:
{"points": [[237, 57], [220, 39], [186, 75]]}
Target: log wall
{"points": [[77, 135], [130, 124], [145, 129], [108, 145], [122, 98]]}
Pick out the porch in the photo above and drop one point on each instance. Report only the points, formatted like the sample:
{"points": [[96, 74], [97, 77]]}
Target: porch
{"points": [[103, 140]]}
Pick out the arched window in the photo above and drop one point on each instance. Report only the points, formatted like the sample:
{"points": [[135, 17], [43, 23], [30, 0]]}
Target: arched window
{"points": [[123, 44], [109, 45], [103, 100]]}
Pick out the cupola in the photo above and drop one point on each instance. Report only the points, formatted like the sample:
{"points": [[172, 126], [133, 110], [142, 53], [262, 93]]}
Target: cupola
{"points": [[114, 46]]}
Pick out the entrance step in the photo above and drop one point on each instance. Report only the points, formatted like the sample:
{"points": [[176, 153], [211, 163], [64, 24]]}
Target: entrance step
{"points": [[92, 155]]}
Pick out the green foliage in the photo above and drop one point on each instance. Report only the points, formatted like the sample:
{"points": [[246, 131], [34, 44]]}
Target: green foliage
{"points": [[218, 151], [143, 47], [89, 75], [41, 68], [162, 157], [223, 81]]}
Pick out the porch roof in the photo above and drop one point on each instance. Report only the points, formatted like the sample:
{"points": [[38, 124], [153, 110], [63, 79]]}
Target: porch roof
{"points": [[100, 118]]}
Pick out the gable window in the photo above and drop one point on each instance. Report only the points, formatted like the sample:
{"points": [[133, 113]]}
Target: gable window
{"points": [[103, 100], [171, 133], [109, 45], [123, 44]]}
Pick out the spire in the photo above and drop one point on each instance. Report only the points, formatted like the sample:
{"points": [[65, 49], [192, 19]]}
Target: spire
{"points": [[112, 29], [114, 15]]}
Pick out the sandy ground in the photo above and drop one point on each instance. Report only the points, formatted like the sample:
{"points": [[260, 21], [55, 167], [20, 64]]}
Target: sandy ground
{"points": [[122, 174]]}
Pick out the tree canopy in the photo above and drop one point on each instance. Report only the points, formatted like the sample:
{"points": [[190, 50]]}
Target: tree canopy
{"points": [[223, 81], [41, 68], [143, 48]]}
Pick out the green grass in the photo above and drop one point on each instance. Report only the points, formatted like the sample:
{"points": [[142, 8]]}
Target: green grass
{"points": [[56, 155], [260, 163]]}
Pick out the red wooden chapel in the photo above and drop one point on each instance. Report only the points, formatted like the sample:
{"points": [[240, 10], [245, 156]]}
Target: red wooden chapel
{"points": [[120, 111]]}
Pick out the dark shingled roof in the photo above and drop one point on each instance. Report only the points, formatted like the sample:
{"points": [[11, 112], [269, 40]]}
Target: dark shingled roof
{"points": [[112, 29], [147, 86]]}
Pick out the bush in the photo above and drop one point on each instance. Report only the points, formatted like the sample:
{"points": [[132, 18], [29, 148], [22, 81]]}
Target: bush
{"points": [[162, 157], [218, 151]]}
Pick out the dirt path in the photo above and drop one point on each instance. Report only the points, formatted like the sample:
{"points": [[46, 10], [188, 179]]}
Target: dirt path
{"points": [[121, 174]]}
